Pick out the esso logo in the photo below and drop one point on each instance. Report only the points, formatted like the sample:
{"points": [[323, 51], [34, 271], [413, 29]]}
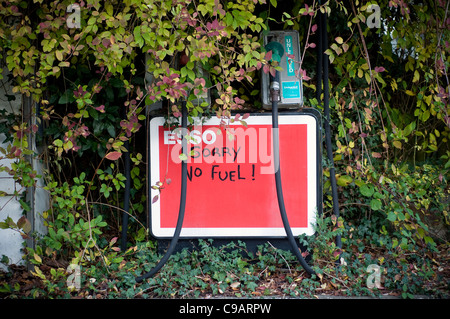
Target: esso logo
{"points": [[196, 137]]}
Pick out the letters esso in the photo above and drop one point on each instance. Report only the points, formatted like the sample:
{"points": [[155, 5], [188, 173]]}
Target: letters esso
{"points": [[196, 137]]}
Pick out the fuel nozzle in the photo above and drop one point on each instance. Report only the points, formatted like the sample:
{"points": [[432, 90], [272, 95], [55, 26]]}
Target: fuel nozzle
{"points": [[277, 53]]}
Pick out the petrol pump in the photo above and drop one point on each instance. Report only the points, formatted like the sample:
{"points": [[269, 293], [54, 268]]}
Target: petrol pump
{"points": [[272, 168]]}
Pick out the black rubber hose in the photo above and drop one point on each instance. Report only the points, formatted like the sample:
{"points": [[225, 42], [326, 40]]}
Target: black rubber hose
{"points": [[126, 197], [276, 153], [319, 60], [182, 207], [326, 109]]}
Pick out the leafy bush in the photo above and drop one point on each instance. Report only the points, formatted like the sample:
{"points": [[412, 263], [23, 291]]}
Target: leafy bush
{"points": [[389, 118]]}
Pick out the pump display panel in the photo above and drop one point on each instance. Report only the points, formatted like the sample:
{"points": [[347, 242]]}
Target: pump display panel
{"points": [[291, 87], [231, 186]]}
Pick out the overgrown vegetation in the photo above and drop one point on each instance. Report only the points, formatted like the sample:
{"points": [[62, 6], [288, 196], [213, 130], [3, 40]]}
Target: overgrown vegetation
{"points": [[390, 120], [234, 270]]}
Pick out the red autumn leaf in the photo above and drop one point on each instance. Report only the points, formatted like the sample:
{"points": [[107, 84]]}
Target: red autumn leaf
{"points": [[376, 154], [112, 156], [113, 241], [100, 108], [24, 224], [268, 56], [273, 71]]}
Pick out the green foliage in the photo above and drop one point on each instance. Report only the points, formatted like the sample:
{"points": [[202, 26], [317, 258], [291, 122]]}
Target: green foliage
{"points": [[414, 201], [89, 83], [322, 245], [112, 34], [69, 228], [389, 94], [389, 105]]}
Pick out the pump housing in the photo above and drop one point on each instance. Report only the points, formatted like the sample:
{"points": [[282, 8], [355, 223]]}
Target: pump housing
{"points": [[291, 88]]}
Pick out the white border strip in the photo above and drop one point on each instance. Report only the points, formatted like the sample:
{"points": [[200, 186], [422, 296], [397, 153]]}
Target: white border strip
{"points": [[312, 209]]}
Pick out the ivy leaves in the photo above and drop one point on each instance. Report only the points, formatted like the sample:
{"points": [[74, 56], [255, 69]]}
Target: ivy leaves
{"points": [[369, 191], [113, 35]]}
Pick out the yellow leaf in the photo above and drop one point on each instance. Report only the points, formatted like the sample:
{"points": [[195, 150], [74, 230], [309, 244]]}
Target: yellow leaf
{"points": [[360, 73], [64, 64], [59, 55], [344, 180], [48, 251], [416, 76], [368, 79], [410, 93], [38, 273], [37, 258], [397, 144]]}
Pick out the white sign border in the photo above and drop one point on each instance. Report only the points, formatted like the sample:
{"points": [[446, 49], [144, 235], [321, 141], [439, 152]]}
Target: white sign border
{"points": [[257, 232]]}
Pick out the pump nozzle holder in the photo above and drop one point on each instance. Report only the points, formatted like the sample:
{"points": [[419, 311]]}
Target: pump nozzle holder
{"points": [[277, 50], [277, 53]]}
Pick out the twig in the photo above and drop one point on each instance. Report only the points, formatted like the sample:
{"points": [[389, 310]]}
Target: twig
{"points": [[333, 277], [118, 208], [373, 84], [91, 238], [276, 251], [142, 291]]}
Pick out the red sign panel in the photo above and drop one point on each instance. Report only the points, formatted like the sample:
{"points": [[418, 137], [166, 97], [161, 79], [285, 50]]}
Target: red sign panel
{"points": [[231, 185]]}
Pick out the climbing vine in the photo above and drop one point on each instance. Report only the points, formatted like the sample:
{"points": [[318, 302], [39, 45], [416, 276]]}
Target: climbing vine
{"points": [[92, 67], [85, 65]]}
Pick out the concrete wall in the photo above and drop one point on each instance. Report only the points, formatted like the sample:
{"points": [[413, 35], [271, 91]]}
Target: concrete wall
{"points": [[11, 242]]}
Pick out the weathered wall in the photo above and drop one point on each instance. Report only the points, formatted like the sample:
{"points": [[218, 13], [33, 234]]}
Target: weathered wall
{"points": [[11, 241]]}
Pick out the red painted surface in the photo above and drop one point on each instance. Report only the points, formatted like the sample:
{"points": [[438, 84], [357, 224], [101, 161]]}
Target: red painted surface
{"points": [[226, 188]]}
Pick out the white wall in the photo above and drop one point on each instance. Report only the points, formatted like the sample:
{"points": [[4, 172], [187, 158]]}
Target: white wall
{"points": [[11, 241]]}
